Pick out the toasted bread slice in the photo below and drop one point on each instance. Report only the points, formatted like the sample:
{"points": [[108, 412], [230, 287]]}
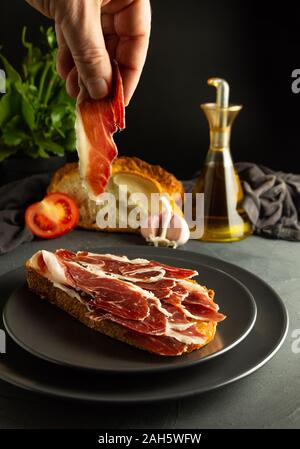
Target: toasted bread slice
{"points": [[67, 180], [46, 290]]}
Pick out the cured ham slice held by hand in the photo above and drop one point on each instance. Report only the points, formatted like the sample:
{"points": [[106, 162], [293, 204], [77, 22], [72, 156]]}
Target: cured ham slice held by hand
{"points": [[96, 123]]}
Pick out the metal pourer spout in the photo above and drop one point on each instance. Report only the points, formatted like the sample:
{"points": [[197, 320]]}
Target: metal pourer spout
{"points": [[220, 114], [222, 100]]}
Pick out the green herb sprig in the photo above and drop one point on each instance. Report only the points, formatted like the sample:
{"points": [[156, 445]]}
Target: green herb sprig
{"points": [[36, 115]]}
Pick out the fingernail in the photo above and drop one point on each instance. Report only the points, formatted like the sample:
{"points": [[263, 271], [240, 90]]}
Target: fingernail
{"points": [[97, 89]]}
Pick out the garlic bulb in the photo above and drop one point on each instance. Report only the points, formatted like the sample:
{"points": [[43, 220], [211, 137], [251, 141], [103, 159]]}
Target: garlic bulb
{"points": [[165, 229]]}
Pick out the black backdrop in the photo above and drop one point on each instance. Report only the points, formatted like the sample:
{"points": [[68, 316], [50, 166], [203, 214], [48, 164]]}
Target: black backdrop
{"points": [[255, 49]]}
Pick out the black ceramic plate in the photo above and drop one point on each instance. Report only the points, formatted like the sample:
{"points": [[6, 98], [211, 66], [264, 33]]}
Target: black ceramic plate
{"points": [[47, 332], [22, 369]]}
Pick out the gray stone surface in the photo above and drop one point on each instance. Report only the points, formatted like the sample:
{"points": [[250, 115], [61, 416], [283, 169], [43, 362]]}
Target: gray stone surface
{"points": [[269, 398]]}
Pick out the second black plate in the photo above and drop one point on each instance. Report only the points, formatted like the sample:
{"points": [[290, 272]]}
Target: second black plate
{"points": [[51, 334]]}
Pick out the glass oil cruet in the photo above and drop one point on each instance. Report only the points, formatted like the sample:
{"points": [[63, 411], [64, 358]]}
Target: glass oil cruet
{"points": [[224, 218]]}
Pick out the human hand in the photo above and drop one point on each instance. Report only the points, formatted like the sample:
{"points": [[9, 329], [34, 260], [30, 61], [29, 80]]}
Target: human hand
{"points": [[91, 33]]}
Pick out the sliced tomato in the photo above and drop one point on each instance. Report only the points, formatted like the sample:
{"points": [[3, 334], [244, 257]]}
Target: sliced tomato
{"points": [[55, 215]]}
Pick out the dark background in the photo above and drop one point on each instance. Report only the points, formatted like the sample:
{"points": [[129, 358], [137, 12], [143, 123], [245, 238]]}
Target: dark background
{"points": [[255, 49]]}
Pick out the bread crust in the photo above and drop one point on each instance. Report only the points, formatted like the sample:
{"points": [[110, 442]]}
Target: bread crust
{"points": [[46, 290]]}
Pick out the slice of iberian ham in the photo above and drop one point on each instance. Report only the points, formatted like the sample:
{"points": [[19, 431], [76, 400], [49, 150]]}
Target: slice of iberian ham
{"points": [[112, 295], [157, 305], [96, 122]]}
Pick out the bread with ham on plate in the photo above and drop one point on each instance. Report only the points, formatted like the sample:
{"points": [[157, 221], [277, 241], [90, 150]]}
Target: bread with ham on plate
{"points": [[147, 304]]}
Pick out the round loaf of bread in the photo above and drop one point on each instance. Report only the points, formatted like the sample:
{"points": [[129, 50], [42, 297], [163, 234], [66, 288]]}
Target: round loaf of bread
{"points": [[67, 180]]}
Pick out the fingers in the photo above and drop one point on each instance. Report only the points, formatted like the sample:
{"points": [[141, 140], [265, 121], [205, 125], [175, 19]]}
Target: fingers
{"points": [[84, 38], [65, 64], [64, 58], [72, 85], [131, 55], [133, 25], [83, 52]]}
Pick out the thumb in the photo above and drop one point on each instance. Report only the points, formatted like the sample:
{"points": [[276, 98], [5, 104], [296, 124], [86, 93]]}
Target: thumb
{"points": [[82, 31]]}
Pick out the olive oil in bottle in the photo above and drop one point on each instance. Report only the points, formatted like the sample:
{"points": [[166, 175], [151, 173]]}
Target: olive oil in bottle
{"points": [[224, 218]]}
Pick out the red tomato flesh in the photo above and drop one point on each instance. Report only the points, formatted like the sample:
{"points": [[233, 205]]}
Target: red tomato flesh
{"points": [[55, 215]]}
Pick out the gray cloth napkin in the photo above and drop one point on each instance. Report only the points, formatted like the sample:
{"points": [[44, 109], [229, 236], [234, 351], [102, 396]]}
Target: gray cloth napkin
{"points": [[14, 198], [272, 201]]}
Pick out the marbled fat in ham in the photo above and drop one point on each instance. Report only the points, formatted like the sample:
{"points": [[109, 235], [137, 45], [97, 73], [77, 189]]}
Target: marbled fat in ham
{"points": [[156, 304], [111, 295]]}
